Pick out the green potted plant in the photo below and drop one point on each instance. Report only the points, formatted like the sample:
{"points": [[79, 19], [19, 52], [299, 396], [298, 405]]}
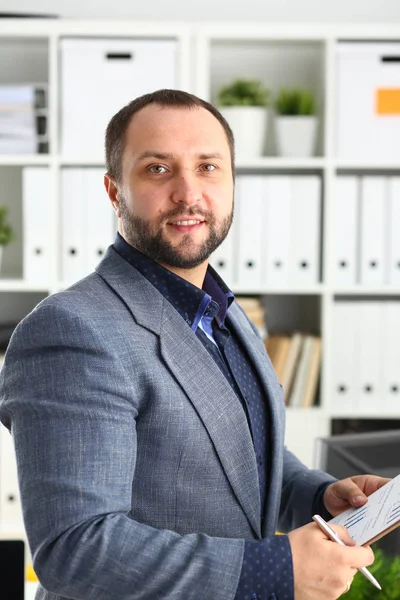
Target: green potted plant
{"points": [[6, 232], [244, 104], [296, 122], [386, 569]]}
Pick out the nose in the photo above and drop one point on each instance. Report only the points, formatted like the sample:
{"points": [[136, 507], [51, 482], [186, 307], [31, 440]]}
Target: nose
{"points": [[186, 189]]}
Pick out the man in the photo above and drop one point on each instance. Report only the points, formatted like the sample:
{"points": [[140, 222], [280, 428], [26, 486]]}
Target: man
{"points": [[147, 418]]}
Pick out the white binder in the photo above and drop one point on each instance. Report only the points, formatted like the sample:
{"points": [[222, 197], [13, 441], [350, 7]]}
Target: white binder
{"points": [[100, 224], [373, 211], [277, 230], [393, 276], [100, 76], [369, 374], [73, 225], [390, 357], [305, 228], [10, 504], [250, 229], [345, 344], [36, 198], [345, 230]]}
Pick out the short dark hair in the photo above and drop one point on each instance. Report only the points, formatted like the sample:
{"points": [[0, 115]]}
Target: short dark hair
{"points": [[117, 127]]}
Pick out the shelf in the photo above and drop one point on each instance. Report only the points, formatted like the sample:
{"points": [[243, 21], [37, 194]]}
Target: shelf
{"points": [[290, 291], [367, 291], [24, 159], [364, 415], [359, 165], [299, 410], [18, 285], [85, 161], [280, 163]]}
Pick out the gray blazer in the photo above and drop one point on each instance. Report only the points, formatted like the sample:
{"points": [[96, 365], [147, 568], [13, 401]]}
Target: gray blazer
{"points": [[136, 466]]}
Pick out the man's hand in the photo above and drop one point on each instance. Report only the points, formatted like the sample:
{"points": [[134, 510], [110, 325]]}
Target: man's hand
{"points": [[324, 570], [351, 492]]}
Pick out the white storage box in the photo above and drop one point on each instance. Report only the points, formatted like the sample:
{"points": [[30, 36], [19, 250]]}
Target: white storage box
{"points": [[368, 101], [100, 76]]}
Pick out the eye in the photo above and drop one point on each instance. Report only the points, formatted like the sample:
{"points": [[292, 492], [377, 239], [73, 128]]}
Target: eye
{"points": [[157, 169], [209, 167]]}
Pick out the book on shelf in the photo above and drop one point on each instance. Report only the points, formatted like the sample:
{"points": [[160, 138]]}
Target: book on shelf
{"points": [[296, 360], [291, 364], [313, 372], [300, 378], [255, 311], [278, 348]]}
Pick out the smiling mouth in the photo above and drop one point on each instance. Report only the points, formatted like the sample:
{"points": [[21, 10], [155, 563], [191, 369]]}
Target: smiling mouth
{"points": [[186, 222]]}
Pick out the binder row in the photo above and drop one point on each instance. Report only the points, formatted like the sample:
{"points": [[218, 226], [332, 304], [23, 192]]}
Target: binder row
{"points": [[87, 224], [366, 242], [366, 375], [275, 236]]}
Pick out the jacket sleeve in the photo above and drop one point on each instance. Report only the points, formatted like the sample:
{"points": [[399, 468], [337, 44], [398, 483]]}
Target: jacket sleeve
{"points": [[300, 489], [75, 440]]}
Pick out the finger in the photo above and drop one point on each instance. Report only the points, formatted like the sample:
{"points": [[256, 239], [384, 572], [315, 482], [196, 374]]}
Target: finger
{"points": [[359, 557], [355, 495], [354, 557], [348, 491], [370, 483], [374, 483], [348, 585], [343, 534]]}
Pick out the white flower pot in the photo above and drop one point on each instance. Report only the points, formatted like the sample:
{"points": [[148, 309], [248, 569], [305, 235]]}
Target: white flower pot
{"points": [[249, 127], [296, 136]]}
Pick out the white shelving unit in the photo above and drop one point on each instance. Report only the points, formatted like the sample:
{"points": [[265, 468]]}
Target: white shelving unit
{"points": [[210, 55], [287, 55]]}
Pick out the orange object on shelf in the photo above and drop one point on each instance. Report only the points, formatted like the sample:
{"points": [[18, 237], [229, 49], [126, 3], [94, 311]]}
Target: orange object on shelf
{"points": [[388, 101]]}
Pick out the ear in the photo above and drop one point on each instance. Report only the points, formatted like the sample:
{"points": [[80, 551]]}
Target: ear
{"points": [[112, 192]]}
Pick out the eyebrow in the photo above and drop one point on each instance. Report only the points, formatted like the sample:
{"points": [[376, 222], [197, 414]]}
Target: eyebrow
{"points": [[169, 156]]}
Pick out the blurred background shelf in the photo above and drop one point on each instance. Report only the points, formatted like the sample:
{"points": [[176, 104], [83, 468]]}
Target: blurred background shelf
{"points": [[206, 57]]}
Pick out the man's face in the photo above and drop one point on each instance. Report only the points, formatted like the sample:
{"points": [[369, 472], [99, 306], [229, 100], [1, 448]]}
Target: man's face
{"points": [[176, 197]]}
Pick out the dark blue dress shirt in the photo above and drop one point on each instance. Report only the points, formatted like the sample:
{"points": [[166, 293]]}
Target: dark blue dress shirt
{"points": [[267, 571]]}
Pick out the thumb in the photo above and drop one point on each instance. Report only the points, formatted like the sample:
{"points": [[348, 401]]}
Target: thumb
{"points": [[343, 534], [353, 494], [357, 497]]}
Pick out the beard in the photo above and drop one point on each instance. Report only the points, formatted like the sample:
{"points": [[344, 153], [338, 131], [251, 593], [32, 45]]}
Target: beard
{"points": [[149, 240]]}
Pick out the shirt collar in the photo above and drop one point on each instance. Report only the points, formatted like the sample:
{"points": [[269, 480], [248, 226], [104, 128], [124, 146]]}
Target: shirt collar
{"points": [[191, 302]]}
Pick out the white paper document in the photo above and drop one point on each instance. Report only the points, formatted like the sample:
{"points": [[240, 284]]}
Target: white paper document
{"points": [[375, 519]]}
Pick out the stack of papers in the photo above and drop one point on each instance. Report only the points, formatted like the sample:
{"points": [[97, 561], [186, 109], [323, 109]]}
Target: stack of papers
{"points": [[17, 120]]}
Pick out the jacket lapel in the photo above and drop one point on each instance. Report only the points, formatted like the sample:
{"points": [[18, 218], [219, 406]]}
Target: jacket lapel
{"points": [[201, 379], [273, 394]]}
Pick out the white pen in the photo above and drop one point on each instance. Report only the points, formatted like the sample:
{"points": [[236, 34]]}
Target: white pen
{"points": [[332, 535]]}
